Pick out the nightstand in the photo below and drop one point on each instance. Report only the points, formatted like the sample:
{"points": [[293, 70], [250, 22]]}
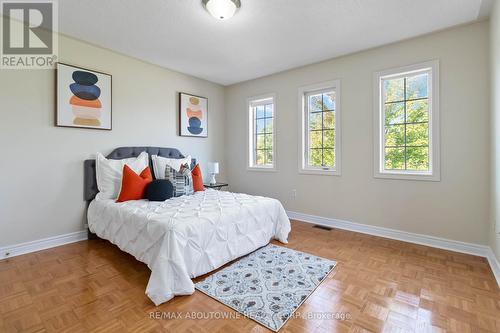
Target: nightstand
{"points": [[216, 186]]}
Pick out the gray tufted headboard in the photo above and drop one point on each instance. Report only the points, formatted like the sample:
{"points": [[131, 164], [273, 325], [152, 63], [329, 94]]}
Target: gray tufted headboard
{"points": [[90, 183]]}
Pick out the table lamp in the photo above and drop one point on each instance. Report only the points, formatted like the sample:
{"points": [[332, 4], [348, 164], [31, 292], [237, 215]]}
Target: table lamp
{"points": [[214, 170]]}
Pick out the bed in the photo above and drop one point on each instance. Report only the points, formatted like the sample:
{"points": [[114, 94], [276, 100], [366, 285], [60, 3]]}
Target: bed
{"points": [[185, 237]]}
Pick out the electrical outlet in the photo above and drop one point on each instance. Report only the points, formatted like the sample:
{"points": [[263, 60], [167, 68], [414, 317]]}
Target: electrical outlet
{"points": [[294, 193]]}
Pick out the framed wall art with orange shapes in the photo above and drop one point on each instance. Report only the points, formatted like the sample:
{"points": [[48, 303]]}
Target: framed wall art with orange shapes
{"points": [[193, 115]]}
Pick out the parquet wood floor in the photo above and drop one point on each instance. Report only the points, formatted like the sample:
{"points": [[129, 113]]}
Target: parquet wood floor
{"points": [[381, 285]]}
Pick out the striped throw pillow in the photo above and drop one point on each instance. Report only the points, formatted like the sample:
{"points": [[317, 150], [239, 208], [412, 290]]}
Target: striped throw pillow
{"points": [[181, 180]]}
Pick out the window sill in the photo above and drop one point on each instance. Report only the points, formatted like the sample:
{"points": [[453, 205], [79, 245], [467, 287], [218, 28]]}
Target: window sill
{"points": [[408, 176], [262, 169], [319, 172]]}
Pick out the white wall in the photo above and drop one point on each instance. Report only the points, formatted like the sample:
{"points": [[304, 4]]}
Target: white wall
{"points": [[41, 169], [495, 130], [457, 207]]}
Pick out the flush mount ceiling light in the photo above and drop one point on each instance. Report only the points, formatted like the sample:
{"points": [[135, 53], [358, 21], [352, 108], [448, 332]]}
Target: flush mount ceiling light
{"points": [[222, 9]]}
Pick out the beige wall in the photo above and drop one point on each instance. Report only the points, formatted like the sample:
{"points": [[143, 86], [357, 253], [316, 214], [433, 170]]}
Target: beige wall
{"points": [[41, 171], [495, 137], [455, 208]]}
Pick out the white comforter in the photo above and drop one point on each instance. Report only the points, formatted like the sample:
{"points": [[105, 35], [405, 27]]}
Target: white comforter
{"points": [[188, 236]]}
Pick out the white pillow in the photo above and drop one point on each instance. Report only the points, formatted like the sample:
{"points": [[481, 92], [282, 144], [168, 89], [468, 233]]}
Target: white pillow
{"points": [[160, 164], [109, 173]]}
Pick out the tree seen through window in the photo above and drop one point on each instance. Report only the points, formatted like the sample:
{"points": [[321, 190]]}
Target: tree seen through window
{"points": [[406, 122], [263, 134], [321, 129]]}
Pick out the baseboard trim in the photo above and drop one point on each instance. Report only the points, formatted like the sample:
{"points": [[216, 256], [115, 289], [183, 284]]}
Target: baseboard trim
{"points": [[494, 265], [432, 241], [41, 244]]}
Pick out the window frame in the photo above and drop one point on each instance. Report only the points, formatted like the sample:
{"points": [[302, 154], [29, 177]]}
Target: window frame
{"points": [[434, 173], [251, 103], [303, 94]]}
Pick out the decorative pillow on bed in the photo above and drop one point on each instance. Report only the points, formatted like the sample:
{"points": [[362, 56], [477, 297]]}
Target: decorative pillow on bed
{"points": [[181, 180], [197, 179], [134, 185], [109, 173], [160, 164], [159, 190]]}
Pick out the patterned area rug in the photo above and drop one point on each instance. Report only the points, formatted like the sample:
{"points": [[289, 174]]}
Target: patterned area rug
{"points": [[269, 284]]}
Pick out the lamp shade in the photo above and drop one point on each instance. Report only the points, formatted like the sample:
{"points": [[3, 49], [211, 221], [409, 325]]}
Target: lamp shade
{"points": [[214, 168]]}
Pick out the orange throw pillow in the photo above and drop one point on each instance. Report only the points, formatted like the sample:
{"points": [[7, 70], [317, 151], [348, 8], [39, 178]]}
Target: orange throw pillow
{"points": [[197, 179], [134, 185]]}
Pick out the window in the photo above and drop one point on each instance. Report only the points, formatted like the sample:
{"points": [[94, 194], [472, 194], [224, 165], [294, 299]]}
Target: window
{"points": [[261, 138], [320, 128], [407, 123]]}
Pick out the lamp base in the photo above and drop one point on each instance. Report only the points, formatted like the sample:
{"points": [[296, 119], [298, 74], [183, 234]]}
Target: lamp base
{"points": [[213, 181]]}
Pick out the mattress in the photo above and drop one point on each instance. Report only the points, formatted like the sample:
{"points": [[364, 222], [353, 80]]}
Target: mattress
{"points": [[185, 237]]}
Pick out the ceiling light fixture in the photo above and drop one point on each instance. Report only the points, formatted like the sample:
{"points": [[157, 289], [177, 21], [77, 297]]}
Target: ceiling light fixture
{"points": [[222, 9]]}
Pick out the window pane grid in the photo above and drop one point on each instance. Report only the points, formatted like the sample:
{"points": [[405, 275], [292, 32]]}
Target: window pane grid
{"points": [[332, 110], [321, 153], [263, 139], [426, 146], [419, 159], [405, 123], [407, 100]]}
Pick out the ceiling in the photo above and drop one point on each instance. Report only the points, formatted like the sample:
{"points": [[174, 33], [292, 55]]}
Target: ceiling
{"points": [[264, 37]]}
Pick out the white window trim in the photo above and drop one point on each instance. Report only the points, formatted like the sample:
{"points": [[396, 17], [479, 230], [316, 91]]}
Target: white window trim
{"points": [[303, 126], [252, 101], [434, 143]]}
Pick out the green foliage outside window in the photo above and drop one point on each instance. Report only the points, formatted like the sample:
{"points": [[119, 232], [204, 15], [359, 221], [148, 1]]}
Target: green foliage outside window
{"points": [[263, 120], [406, 126], [321, 131]]}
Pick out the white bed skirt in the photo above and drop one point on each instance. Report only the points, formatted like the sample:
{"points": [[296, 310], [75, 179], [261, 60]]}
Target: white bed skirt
{"points": [[189, 236]]}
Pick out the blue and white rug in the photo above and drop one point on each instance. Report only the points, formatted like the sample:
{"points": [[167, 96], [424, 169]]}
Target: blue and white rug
{"points": [[269, 284]]}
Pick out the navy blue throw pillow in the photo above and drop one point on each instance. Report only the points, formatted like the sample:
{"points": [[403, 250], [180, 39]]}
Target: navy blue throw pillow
{"points": [[159, 190]]}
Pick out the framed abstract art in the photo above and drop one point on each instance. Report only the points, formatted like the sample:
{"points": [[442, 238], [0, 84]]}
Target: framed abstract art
{"points": [[193, 115], [83, 98]]}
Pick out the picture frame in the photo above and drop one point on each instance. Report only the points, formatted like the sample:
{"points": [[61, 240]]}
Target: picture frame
{"points": [[83, 98], [193, 115]]}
